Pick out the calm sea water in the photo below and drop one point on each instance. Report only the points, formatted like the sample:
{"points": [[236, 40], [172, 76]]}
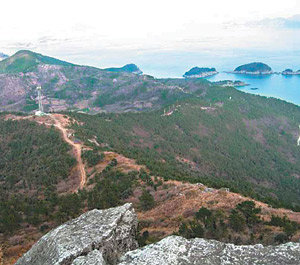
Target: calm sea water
{"points": [[164, 64], [278, 86], [175, 64]]}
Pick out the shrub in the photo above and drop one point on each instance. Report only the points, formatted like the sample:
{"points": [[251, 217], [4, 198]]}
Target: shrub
{"points": [[146, 200]]}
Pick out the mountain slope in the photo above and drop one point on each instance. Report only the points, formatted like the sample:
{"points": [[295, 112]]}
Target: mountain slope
{"points": [[72, 87], [28, 211], [225, 138]]}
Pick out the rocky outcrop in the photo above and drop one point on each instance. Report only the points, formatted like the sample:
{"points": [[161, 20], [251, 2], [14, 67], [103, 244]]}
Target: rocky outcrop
{"points": [[175, 250], [107, 237], [111, 231]]}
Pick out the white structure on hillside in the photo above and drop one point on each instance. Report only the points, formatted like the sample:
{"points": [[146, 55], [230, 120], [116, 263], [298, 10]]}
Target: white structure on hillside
{"points": [[298, 142], [40, 112]]}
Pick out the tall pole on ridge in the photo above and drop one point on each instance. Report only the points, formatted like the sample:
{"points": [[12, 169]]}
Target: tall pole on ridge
{"points": [[39, 89]]}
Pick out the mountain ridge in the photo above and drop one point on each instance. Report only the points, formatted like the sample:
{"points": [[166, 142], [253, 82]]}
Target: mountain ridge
{"points": [[26, 60], [66, 86]]}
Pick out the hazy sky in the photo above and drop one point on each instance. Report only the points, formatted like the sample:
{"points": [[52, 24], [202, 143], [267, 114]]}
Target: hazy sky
{"points": [[80, 30]]}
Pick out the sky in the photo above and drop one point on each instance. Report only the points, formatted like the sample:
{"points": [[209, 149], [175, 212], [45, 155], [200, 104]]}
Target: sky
{"points": [[108, 33]]}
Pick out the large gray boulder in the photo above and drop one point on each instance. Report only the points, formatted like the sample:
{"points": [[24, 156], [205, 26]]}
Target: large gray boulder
{"points": [[110, 231], [93, 258], [175, 250]]}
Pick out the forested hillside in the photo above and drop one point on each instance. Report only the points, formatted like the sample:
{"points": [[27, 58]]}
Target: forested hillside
{"points": [[32, 156], [223, 138], [33, 159]]}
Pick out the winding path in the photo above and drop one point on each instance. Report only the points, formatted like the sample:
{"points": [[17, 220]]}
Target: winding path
{"points": [[77, 151], [76, 148]]}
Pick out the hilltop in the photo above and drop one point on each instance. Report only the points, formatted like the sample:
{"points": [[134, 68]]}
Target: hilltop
{"points": [[254, 68]]}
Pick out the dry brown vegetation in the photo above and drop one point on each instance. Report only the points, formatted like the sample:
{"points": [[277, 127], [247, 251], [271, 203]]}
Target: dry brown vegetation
{"points": [[176, 201]]}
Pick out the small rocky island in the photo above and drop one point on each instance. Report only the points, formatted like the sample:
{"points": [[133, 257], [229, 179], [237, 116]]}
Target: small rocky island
{"points": [[199, 72], [231, 83], [128, 68], [255, 68], [290, 72]]}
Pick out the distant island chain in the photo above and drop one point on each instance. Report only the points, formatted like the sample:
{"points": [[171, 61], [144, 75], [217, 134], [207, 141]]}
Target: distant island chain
{"points": [[255, 68]]}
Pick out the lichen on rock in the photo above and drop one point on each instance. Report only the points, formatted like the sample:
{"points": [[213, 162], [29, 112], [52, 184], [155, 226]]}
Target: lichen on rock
{"points": [[111, 231]]}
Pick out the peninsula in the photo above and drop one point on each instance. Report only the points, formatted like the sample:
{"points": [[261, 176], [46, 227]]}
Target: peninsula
{"points": [[128, 68]]}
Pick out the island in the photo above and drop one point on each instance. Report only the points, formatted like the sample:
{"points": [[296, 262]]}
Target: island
{"points": [[3, 56], [128, 68], [290, 72], [199, 72], [255, 68], [230, 83]]}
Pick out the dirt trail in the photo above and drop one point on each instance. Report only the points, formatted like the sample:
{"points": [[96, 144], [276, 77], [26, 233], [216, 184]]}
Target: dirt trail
{"points": [[77, 151], [59, 122]]}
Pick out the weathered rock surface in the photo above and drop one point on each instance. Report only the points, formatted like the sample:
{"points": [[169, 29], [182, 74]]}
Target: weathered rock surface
{"points": [[107, 237], [111, 231], [93, 258], [176, 250]]}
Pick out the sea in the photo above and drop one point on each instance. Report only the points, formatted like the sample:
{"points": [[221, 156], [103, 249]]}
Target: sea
{"points": [[164, 65], [276, 85], [173, 64]]}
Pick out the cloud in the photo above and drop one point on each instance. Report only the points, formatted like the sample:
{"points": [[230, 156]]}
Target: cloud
{"points": [[279, 22]]}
